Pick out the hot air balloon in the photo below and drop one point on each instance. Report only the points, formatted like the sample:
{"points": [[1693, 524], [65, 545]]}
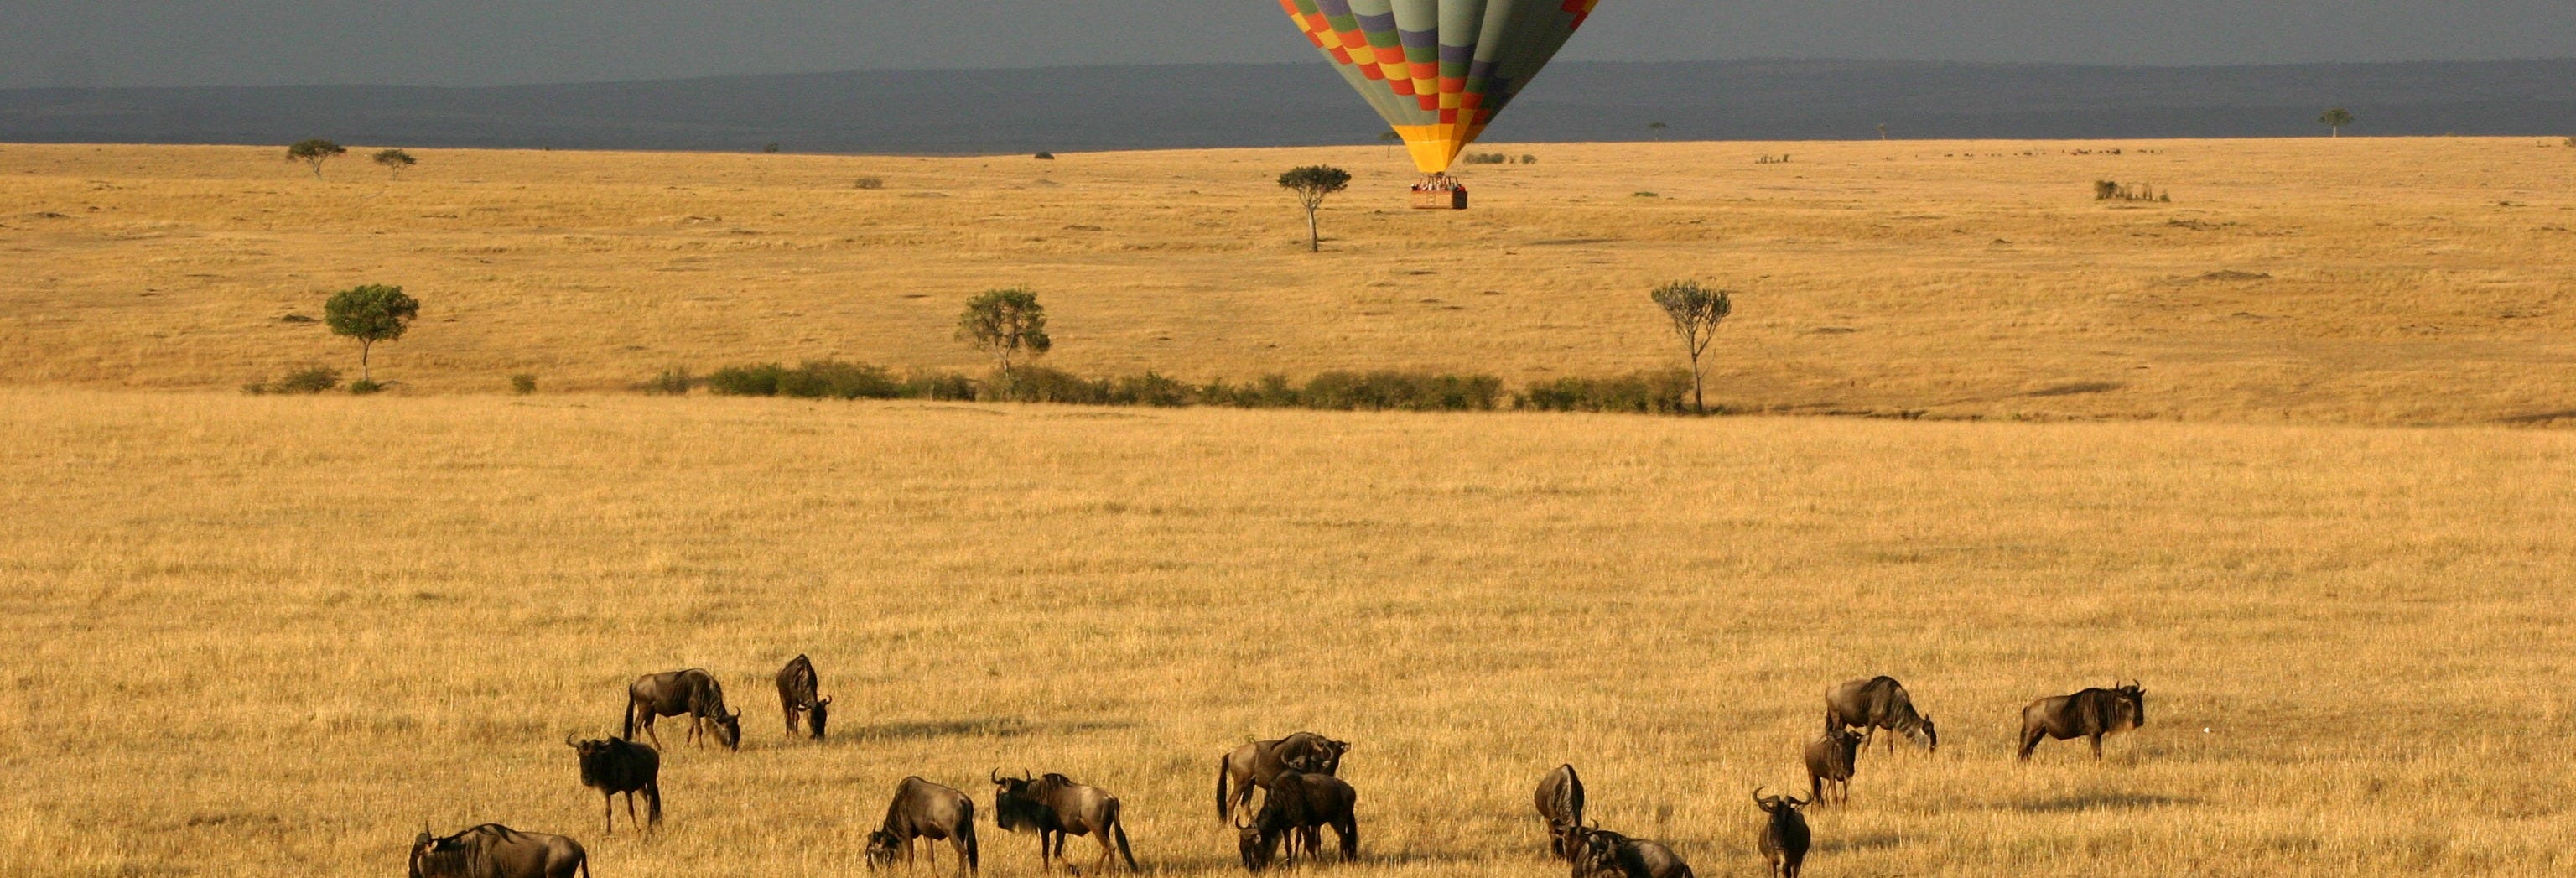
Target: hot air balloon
{"points": [[1438, 70]]}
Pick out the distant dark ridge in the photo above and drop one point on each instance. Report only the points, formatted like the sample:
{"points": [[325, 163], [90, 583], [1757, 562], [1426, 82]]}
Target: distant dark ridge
{"points": [[1201, 106]]}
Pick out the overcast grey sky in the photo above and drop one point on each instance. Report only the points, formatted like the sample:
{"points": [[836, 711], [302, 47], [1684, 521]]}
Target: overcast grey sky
{"points": [[483, 42]]}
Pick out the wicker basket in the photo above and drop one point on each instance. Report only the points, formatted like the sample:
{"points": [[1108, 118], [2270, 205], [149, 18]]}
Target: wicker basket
{"points": [[1440, 199]]}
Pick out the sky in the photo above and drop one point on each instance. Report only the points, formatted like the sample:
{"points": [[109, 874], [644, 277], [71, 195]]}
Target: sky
{"points": [[112, 43]]}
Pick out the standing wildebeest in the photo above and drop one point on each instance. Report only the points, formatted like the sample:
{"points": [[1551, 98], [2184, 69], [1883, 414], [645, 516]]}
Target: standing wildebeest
{"points": [[1298, 807], [1831, 759], [1784, 833], [927, 811], [1254, 764], [693, 692], [617, 765], [1560, 803], [2091, 713], [796, 695], [1056, 807], [496, 851], [1878, 703], [1607, 854]]}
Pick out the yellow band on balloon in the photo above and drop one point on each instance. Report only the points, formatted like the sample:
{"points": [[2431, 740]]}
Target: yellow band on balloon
{"points": [[1435, 147]]}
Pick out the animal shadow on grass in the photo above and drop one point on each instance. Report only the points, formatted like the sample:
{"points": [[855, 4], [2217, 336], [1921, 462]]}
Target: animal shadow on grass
{"points": [[1869, 842], [2099, 802], [987, 727]]}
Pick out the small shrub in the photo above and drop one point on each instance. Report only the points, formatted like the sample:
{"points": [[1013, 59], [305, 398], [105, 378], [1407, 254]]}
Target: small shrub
{"points": [[834, 379], [364, 387], [938, 385], [523, 384], [1045, 156], [771, 146], [2113, 190], [1041, 384], [674, 381], [1149, 389], [313, 380], [2571, 143], [1644, 194], [871, 183], [754, 380], [1403, 391], [1528, 159], [1483, 158], [297, 318], [1664, 392]]}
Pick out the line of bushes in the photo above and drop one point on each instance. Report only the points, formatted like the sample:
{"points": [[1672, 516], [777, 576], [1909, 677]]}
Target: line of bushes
{"points": [[1657, 392]]}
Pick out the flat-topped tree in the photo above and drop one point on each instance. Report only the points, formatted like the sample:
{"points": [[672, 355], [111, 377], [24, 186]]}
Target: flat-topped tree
{"points": [[314, 152], [1695, 311], [395, 160], [1312, 183], [2334, 120]]}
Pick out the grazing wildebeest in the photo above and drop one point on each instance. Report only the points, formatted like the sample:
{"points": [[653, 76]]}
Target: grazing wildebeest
{"points": [[1254, 764], [496, 851], [1831, 759], [1784, 833], [796, 686], [1298, 807], [693, 692], [2091, 713], [1054, 806], [930, 812], [617, 765], [1606, 854], [1878, 703], [1560, 803]]}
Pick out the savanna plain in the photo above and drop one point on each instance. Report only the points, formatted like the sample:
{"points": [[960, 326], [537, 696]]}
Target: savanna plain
{"points": [[2286, 450]]}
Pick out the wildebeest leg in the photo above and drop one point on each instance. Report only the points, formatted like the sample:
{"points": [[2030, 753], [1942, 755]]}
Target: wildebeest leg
{"points": [[608, 811], [791, 722], [2097, 745], [2029, 742]]}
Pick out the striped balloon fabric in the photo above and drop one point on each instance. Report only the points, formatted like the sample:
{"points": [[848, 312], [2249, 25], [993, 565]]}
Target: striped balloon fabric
{"points": [[1438, 70]]}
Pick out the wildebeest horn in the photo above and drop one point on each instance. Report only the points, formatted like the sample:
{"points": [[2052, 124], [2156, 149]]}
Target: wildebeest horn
{"points": [[1757, 797], [568, 741], [994, 775]]}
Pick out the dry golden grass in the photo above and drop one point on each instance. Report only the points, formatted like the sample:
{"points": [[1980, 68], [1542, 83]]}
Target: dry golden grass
{"points": [[265, 636], [2410, 281]]}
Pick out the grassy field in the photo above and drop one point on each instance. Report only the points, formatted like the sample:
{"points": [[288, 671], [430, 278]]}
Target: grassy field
{"points": [[268, 636], [2318, 281]]}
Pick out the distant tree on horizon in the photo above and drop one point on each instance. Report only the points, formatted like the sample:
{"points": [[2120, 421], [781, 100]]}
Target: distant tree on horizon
{"points": [[1695, 311], [1390, 138], [1658, 128], [1312, 183], [315, 151], [395, 160], [2334, 120], [370, 314], [1005, 323]]}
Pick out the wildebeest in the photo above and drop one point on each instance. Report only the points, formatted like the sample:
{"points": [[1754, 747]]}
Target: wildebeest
{"points": [[1606, 854], [1254, 764], [1054, 806], [796, 687], [2091, 713], [496, 851], [1560, 803], [927, 811], [1784, 833], [1878, 703], [1831, 759], [1298, 806], [617, 765], [693, 692]]}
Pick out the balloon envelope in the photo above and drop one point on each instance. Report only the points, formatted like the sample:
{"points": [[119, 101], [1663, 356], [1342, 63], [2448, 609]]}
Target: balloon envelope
{"points": [[1438, 70]]}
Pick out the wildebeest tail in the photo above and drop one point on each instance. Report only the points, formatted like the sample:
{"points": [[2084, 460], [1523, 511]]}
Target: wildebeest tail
{"points": [[966, 833], [626, 724], [1118, 830], [653, 802], [1222, 812]]}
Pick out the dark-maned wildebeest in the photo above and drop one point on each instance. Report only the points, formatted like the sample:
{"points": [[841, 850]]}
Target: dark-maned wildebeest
{"points": [[1254, 764], [1784, 833], [1831, 760], [1607, 854], [496, 851], [617, 765], [693, 692], [929, 812], [1054, 807], [2091, 713], [1878, 703], [1298, 807], [1560, 803], [796, 687]]}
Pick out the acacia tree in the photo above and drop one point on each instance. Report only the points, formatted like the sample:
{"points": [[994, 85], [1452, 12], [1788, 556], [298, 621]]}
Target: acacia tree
{"points": [[2334, 120], [1695, 311], [370, 314], [1312, 183], [1005, 323], [314, 152], [396, 160], [1390, 138]]}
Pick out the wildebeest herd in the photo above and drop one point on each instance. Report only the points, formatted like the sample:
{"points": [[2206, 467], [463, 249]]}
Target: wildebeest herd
{"points": [[1297, 776]]}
